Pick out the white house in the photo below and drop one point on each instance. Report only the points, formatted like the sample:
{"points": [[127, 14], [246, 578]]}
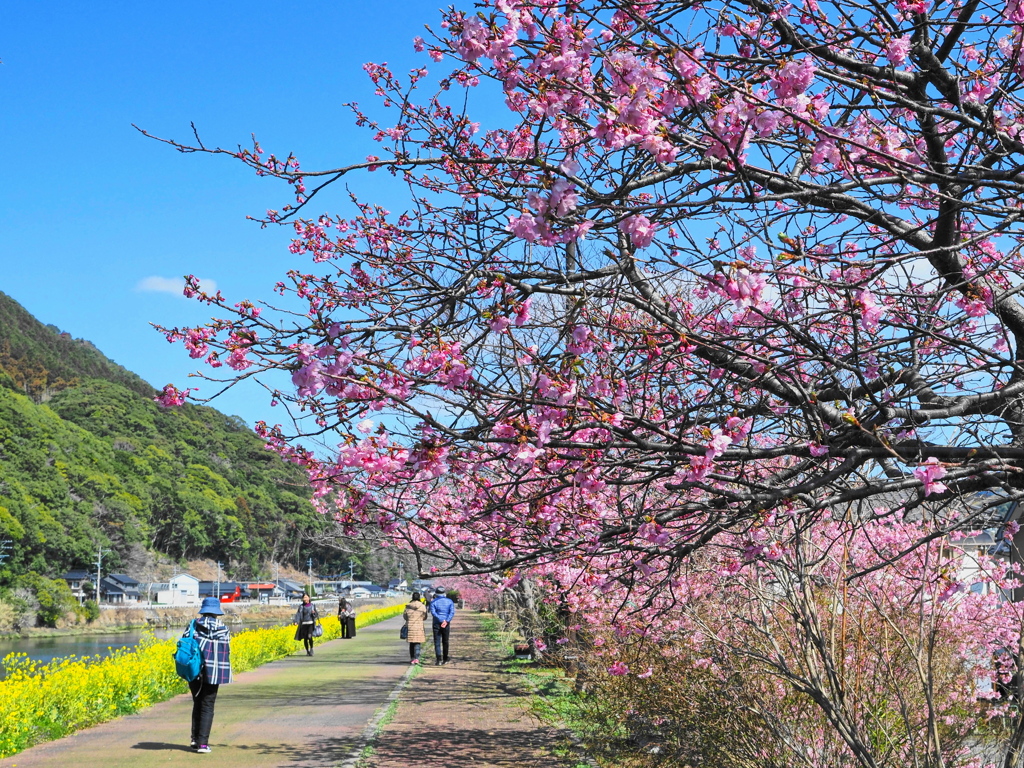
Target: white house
{"points": [[183, 589]]}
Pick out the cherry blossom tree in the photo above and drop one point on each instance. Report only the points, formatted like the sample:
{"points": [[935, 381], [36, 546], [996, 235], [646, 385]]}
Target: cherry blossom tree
{"points": [[836, 652], [714, 262]]}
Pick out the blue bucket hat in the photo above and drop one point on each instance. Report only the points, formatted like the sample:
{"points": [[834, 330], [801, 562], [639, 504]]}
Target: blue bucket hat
{"points": [[211, 605]]}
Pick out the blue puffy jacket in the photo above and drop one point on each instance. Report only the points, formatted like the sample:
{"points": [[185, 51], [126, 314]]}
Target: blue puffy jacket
{"points": [[442, 609]]}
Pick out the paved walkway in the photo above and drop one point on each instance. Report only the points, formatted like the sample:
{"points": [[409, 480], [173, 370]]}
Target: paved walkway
{"points": [[298, 712], [469, 713], [303, 712]]}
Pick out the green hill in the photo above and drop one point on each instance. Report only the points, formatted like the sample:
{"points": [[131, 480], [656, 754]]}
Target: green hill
{"points": [[88, 460], [39, 358]]}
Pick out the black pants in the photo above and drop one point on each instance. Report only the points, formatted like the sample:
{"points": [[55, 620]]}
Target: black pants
{"points": [[204, 697], [306, 635], [344, 626], [441, 640], [351, 622], [414, 650]]}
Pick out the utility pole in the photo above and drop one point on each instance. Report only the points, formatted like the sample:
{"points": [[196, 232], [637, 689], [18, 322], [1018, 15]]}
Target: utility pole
{"points": [[218, 579], [5, 548], [309, 564], [351, 570], [99, 571], [401, 573]]}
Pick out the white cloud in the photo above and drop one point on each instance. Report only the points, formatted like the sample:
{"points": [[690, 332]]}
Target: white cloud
{"points": [[171, 285]]}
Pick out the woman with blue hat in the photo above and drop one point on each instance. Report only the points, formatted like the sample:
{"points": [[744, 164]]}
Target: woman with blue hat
{"points": [[214, 643]]}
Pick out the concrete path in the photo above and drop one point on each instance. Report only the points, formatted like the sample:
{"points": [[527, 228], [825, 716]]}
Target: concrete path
{"points": [[468, 713], [298, 712]]}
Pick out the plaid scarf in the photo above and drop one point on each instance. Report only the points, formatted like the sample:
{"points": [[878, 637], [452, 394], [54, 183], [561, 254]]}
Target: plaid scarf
{"points": [[214, 643]]}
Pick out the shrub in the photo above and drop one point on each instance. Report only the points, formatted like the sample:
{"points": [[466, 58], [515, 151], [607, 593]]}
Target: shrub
{"points": [[91, 610]]}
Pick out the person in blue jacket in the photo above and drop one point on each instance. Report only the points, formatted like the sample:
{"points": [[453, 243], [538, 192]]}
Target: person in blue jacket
{"points": [[443, 610]]}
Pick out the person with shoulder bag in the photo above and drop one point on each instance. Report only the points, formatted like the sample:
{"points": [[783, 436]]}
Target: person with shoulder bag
{"points": [[415, 614], [215, 648], [308, 619], [347, 619]]}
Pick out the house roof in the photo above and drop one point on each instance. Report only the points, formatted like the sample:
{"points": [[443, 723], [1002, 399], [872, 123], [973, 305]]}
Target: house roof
{"points": [[76, 573], [111, 587], [123, 579], [226, 587]]}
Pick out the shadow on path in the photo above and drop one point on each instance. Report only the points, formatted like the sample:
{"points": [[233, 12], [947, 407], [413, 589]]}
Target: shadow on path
{"points": [[159, 745], [313, 752]]}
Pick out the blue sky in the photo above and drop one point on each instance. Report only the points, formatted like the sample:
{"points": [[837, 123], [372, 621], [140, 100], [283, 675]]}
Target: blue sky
{"points": [[93, 216]]}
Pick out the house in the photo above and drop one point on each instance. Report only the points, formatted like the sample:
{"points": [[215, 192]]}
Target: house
{"points": [[422, 586], [112, 592], [77, 580], [262, 591], [183, 589], [291, 590], [398, 585], [129, 588], [365, 590]]}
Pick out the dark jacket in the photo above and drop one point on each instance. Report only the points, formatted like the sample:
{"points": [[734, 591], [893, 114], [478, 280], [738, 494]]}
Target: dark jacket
{"points": [[306, 614]]}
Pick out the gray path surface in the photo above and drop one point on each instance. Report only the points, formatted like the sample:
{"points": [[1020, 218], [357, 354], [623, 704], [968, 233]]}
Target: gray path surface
{"points": [[299, 711]]}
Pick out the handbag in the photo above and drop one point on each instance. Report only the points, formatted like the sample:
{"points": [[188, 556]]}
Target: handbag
{"points": [[318, 630], [403, 633]]}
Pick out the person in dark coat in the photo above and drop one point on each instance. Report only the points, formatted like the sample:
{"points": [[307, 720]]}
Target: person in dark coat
{"points": [[306, 618], [346, 616], [214, 644]]}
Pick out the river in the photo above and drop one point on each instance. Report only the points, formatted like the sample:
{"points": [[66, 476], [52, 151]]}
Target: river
{"points": [[45, 649]]}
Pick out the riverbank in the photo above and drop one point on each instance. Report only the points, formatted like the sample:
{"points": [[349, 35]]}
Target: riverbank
{"points": [[130, 618]]}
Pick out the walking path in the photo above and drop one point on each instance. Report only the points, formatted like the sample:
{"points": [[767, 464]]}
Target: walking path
{"points": [[469, 713], [316, 712], [298, 712]]}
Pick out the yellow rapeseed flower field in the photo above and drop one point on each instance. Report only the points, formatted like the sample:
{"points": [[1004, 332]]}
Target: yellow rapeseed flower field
{"points": [[41, 702]]}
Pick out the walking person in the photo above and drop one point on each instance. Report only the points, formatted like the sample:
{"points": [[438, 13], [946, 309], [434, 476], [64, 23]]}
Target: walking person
{"points": [[415, 614], [443, 610], [343, 616], [306, 618], [214, 644], [346, 616]]}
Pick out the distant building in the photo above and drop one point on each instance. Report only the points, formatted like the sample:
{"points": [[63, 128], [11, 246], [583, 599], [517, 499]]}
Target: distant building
{"points": [[77, 580], [221, 589], [119, 588], [291, 590], [183, 589], [263, 591], [398, 585], [421, 585], [364, 590]]}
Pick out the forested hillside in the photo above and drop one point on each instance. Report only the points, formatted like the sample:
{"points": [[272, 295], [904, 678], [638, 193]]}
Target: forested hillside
{"points": [[88, 460], [39, 357]]}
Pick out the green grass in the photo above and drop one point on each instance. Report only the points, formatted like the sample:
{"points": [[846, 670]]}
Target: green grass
{"points": [[553, 696]]}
